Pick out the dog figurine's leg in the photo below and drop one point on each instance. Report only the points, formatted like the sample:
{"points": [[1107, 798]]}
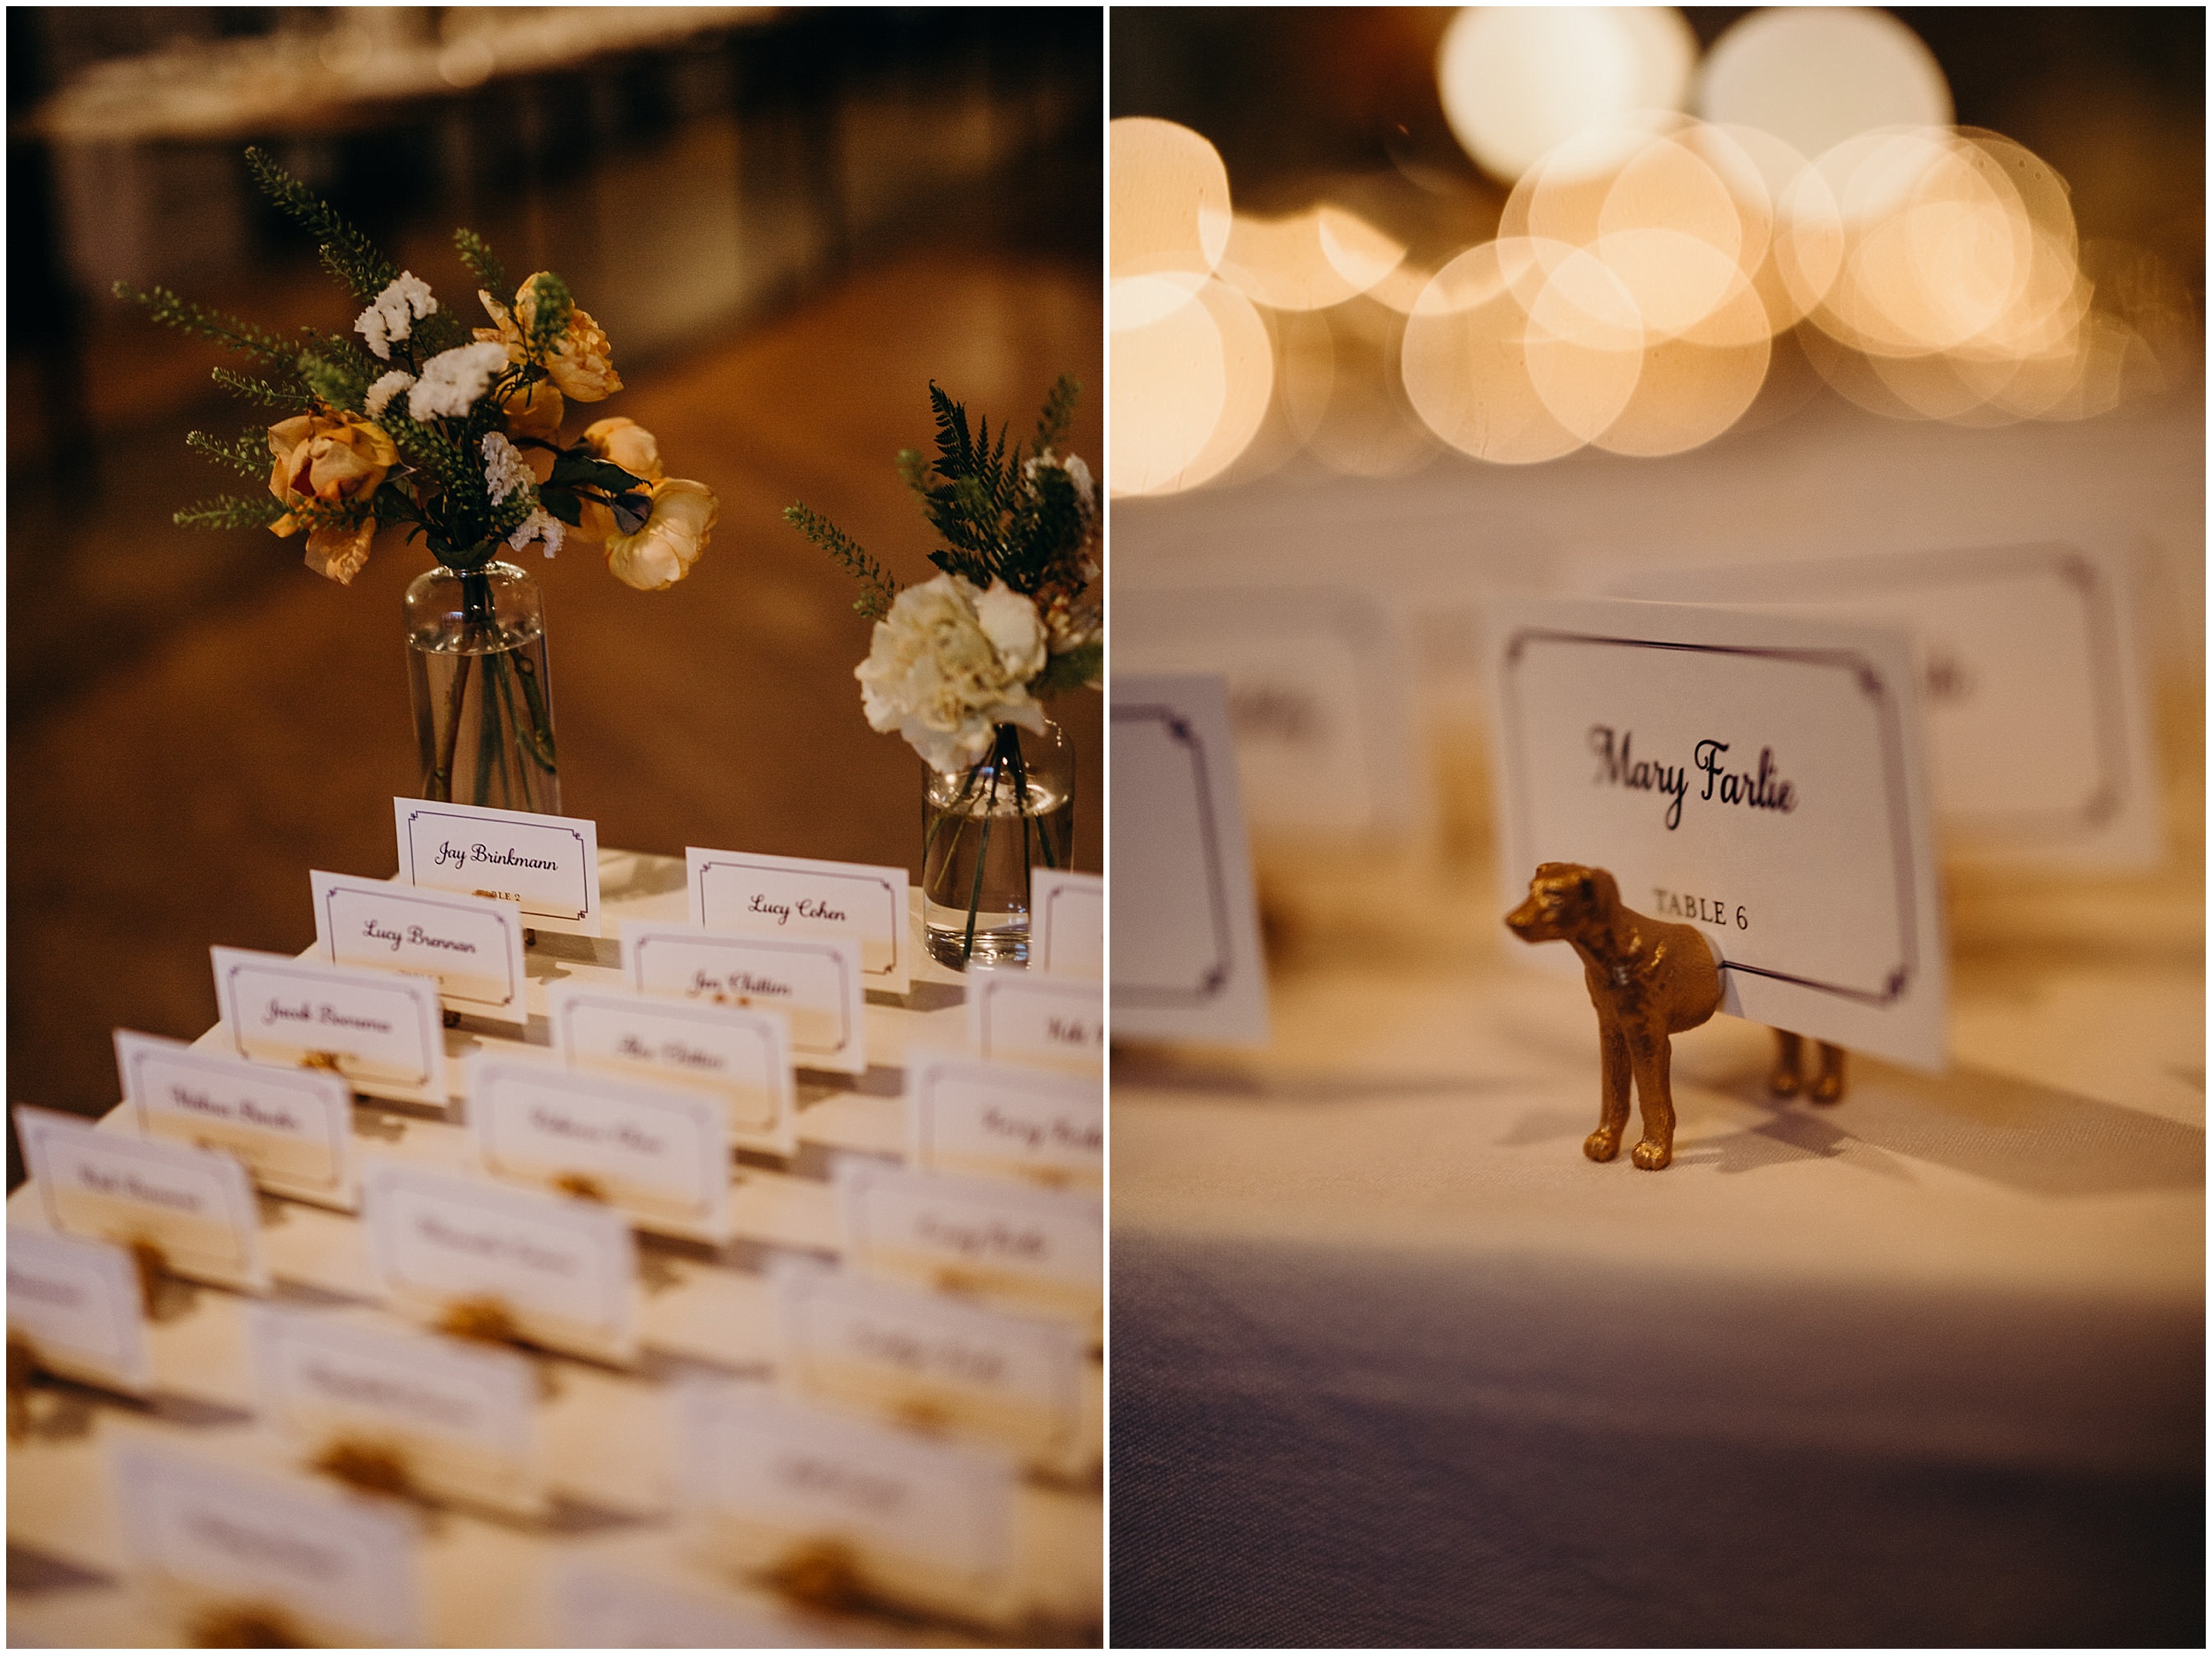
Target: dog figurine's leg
{"points": [[1653, 1056], [1788, 1075], [1605, 1142], [1829, 1087]]}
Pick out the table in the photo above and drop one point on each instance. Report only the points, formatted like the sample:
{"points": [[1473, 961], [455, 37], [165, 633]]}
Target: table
{"points": [[608, 1442]]}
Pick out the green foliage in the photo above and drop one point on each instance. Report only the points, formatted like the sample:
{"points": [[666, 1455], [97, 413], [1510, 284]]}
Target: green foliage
{"points": [[553, 309], [227, 331], [1059, 413], [1069, 670], [249, 456], [340, 378], [483, 264], [1001, 518], [878, 589], [346, 253], [231, 510], [261, 390]]}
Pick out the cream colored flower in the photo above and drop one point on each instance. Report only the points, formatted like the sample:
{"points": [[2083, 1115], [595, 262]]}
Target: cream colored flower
{"points": [[326, 459], [934, 675], [581, 362], [625, 443], [338, 551], [662, 551], [1010, 621]]}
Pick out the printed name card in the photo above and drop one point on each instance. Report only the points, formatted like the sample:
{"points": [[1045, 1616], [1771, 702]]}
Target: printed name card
{"points": [[597, 1607], [970, 1115], [562, 1271], [197, 1206], [791, 896], [816, 982], [460, 1417], [930, 1357], [1187, 964], [548, 865], [473, 945], [220, 1536], [973, 1233], [1035, 1019], [292, 1127], [77, 1303], [1067, 924], [384, 1031], [764, 1468], [2039, 741], [659, 1154], [740, 1054], [1756, 775]]}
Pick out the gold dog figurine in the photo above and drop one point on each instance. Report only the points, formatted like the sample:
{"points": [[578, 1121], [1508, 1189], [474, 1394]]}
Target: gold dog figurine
{"points": [[1789, 1078], [1649, 979]]}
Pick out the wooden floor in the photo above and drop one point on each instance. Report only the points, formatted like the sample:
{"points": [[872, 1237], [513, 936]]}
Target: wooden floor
{"points": [[223, 721]]}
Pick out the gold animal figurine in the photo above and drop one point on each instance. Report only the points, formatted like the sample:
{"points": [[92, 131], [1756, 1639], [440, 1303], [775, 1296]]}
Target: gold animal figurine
{"points": [[1789, 1078], [1649, 979]]}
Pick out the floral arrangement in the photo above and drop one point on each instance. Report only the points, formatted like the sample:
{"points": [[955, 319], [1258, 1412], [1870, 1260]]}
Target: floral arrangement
{"points": [[1013, 618], [414, 418]]}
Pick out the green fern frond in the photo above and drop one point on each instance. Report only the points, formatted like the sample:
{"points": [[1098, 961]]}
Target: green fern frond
{"points": [[259, 390], [231, 510], [878, 588], [201, 323], [249, 456], [483, 264], [1059, 413], [347, 254]]}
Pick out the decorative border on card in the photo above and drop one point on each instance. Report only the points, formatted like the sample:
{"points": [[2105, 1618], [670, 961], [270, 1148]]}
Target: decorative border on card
{"points": [[583, 909], [429, 894], [1217, 974], [846, 1033], [896, 896], [126, 1321], [434, 1033], [1869, 679], [339, 1126]]}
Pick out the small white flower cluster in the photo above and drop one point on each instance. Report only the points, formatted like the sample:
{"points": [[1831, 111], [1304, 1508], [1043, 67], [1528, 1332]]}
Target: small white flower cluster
{"points": [[505, 471], [389, 386], [453, 381], [393, 315], [540, 525]]}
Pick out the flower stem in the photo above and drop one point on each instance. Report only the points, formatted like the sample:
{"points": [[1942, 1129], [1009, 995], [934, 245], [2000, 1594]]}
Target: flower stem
{"points": [[982, 856], [450, 738]]}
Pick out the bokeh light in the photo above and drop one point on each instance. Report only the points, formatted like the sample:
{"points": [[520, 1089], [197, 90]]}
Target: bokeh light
{"points": [[1169, 206], [1816, 75]]}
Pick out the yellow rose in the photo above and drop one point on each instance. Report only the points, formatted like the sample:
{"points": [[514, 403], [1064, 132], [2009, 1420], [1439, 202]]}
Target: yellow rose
{"points": [[625, 443], [326, 459], [536, 410], [338, 551], [581, 361], [662, 552]]}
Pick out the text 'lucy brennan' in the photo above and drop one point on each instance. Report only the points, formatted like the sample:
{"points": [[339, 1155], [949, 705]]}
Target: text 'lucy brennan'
{"points": [[1618, 766]]}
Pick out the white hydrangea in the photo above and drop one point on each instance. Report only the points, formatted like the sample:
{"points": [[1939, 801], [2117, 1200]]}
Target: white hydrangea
{"points": [[381, 393], [453, 381], [504, 470], [391, 317], [540, 525], [936, 675]]}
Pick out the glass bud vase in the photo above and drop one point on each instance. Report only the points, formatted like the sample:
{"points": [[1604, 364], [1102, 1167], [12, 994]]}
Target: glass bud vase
{"points": [[983, 828], [476, 671]]}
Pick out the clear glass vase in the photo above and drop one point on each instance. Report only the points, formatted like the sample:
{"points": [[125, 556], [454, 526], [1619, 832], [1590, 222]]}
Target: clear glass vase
{"points": [[983, 828], [476, 671]]}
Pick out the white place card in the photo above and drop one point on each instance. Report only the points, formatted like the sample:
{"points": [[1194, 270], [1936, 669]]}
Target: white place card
{"points": [[473, 945], [1320, 700], [1067, 924], [197, 1206], [292, 1127], [563, 1271], [597, 1605], [343, 1567], [77, 1303], [1004, 1120], [973, 1233], [928, 1357], [461, 1417], [547, 865], [383, 1030], [2039, 740], [793, 895], [1757, 775], [759, 1467], [659, 1154], [816, 982], [1187, 964], [1027, 1017], [740, 1054]]}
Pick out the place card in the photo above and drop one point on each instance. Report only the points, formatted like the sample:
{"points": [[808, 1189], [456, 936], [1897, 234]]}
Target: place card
{"points": [[815, 980], [1187, 964], [794, 896], [1067, 926], [1756, 775], [1030, 1018], [562, 1272], [459, 1416], [762, 1471], [659, 1154], [227, 1536], [197, 1206], [2039, 745], [974, 1234], [598, 1606], [292, 1127], [740, 1054], [546, 865], [929, 1358], [384, 1031], [77, 1303], [969, 1115], [473, 945]]}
